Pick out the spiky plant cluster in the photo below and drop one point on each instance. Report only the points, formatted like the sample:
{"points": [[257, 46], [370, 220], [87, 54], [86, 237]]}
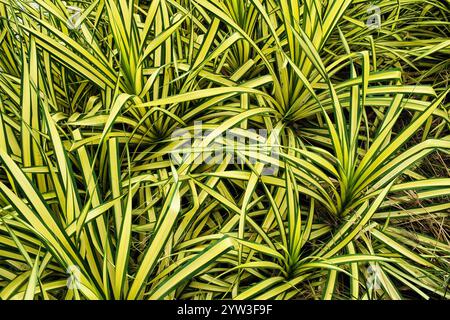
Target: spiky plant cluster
{"points": [[129, 168]]}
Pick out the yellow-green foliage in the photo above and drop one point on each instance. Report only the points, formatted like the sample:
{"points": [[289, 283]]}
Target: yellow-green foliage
{"points": [[95, 205]]}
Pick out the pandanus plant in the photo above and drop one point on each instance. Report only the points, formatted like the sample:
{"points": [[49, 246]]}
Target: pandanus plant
{"points": [[100, 200]]}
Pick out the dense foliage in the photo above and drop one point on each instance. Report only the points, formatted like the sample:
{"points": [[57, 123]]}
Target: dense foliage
{"points": [[345, 196]]}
